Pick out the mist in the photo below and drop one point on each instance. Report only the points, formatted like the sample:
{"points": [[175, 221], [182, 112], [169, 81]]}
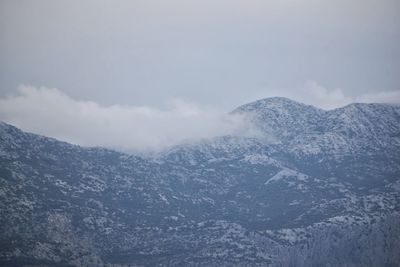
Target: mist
{"points": [[129, 128], [50, 112]]}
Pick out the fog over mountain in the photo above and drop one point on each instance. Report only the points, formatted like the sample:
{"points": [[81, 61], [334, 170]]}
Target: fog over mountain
{"points": [[313, 188], [128, 128], [53, 113]]}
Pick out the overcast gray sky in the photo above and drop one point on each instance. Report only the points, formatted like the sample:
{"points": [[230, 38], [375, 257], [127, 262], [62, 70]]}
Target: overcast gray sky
{"points": [[142, 52], [208, 54]]}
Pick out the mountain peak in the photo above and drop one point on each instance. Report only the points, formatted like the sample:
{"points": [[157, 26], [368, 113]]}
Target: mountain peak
{"points": [[271, 103], [280, 116]]}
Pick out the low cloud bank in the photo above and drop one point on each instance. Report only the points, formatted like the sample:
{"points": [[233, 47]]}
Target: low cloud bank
{"points": [[52, 113]]}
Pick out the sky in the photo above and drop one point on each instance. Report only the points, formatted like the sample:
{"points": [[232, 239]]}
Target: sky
{"points": [[118, 58]]}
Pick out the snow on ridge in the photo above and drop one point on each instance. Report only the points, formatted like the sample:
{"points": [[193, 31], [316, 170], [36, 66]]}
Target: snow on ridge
{"points": [[285, 173]]}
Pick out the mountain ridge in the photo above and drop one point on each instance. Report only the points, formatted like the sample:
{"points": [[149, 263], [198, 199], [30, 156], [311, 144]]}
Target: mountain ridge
{"points": [[332, 199]]}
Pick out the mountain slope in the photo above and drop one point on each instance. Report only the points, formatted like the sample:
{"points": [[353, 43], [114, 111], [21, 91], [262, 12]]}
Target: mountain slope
{"points": [[325, 191]]}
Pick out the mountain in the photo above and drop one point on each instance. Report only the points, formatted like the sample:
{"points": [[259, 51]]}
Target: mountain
{"points": [[318, 188]]}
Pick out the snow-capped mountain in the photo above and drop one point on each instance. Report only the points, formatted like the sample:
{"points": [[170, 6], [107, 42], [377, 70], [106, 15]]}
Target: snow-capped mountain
{"points": [[320, 188]]}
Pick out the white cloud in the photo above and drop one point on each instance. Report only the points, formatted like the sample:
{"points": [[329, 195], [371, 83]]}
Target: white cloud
{"points": [[313, 93], [317, 95], [380, 97], [52, 113]]}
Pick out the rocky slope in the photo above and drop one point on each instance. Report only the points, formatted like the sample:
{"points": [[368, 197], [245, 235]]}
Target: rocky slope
{"points": [[320, 188]]}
